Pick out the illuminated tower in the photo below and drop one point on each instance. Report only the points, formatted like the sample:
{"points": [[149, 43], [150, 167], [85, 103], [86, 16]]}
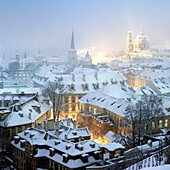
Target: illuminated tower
{"points": [[72, 53], [129, 43], [141, 42]]}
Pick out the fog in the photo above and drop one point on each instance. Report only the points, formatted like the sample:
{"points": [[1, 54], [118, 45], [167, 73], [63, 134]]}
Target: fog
{"points": [[103, 24]]}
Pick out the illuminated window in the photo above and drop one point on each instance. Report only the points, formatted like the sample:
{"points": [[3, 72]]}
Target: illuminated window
{"points": [[160, 123], [73, 108], [153, 125], [94, 110], [166, 122]]}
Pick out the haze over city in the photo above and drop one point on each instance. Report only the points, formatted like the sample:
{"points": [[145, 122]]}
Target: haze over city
{"points": [[84, 84], [98, 24]]}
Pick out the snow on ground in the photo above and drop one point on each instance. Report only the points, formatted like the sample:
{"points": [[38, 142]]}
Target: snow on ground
{"points": [[164, 167], [149, 163]]}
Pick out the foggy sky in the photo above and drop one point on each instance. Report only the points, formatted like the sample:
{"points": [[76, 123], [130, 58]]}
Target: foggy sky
{"points": [[30, 24]]}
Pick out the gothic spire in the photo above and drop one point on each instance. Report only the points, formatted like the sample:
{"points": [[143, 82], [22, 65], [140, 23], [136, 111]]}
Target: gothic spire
{"points": [[72, 46]]}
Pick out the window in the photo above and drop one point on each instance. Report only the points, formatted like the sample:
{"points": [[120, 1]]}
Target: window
{"points": [[73, 99], [6, 103], [8, 133], [13, 131], [94, 110], [66, 99], [166, 122], [153, 125], [19, 129], [73, 108], [66, 108], [160, 123]]}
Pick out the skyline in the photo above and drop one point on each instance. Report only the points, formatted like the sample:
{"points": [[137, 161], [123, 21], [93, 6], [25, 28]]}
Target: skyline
{"points": [[28, 25]]}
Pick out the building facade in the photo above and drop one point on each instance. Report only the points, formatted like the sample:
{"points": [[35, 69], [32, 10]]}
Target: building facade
{"points": [[20, 116], [38, 148]]}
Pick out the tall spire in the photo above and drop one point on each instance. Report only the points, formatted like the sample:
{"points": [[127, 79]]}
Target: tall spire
{"points": [[72, 46]]}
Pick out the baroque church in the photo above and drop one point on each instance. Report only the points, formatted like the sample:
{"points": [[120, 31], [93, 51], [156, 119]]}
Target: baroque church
{"points": [[138, 44]]}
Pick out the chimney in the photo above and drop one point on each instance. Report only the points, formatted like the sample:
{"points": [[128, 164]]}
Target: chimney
{"points": [[75, 124], [52, 151], [57, 142], [39, 125], [50, 124], [84, 77], [22, 143], [31, 135], [26, 132], [65, 157], [57, 132], [73, 77], [16, 139], [96, 75], [66, 137], [68, 146], [57, 124], [45, 125], [68, 121]]}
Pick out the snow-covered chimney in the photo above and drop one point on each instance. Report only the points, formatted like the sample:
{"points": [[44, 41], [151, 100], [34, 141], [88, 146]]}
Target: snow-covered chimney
{"points": [[57, 124], [73, 77], [45, 125], [57, 132], [96, 75], [84, 77], [75, 124], [50, 124], [16, 139], [68, 122]]}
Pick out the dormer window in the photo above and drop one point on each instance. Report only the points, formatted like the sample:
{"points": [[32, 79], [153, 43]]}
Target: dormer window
{"points": [[45, 79], [37, 108], [17, 108], [72, 87], [96, 86], [21, 114], [85, 87], [113, 81]]}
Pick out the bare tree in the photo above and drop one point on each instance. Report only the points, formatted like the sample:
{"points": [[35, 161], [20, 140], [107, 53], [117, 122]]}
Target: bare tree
{"points": [[152, 107], [54, 90], [141, 113], [130, 118]]}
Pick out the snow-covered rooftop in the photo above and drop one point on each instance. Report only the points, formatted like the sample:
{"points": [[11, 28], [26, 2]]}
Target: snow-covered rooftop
{"points": [[24, 113]]}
